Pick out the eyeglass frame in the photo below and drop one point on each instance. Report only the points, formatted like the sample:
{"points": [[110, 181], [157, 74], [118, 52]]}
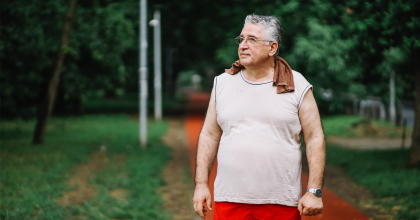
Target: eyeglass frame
{"points": [[267, 42]]}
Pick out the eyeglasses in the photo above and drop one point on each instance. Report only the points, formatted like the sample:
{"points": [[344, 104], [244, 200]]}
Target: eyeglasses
{"points": [[251, 40]]}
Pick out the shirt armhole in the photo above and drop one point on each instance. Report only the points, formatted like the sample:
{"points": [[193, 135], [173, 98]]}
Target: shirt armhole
{"points": [[215, 88], [309, 86]]}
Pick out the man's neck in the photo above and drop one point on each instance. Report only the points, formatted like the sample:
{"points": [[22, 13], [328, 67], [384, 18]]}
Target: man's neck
{"points": [[261, 72]]}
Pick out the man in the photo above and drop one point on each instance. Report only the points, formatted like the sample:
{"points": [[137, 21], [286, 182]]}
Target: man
{"points": [[257, 113]]}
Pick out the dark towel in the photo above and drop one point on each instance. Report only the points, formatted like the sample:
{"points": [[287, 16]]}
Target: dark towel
{"points": [[283, 76]]}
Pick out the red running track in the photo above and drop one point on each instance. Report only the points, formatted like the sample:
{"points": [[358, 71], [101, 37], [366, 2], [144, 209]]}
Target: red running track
{"points": [[335, 208]]}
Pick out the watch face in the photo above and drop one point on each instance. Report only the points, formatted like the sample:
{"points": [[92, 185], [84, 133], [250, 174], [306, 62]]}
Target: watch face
{"points": [[318, 193]]}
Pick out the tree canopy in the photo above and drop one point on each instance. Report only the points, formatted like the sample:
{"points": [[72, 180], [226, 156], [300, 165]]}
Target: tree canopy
{"points": [[343, 46]]}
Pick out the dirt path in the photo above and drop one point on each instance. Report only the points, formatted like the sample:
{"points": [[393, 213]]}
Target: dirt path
{"points": [[335, 207], [371, 143], [177, 193], [79, 179], [358, 196], [193, 123]]}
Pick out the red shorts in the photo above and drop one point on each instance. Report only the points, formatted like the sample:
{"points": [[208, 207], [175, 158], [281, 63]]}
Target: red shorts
{"points": [[242, 211]]}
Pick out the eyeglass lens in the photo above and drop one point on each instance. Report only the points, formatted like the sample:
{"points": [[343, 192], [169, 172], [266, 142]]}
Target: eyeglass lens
{"points": [[249, 40], [239, 40]]}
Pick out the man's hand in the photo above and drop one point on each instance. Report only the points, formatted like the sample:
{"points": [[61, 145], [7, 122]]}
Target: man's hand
{"points": [[201, 197], [310, 205]]}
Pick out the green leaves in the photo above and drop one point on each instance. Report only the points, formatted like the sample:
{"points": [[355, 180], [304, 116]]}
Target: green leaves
{"points": [[102, 34], [341, 46], [333, 44]]}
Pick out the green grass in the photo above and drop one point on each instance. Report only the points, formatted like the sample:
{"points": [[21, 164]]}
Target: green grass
{"points": [[382, 172], [341, 126], [33, 177]]}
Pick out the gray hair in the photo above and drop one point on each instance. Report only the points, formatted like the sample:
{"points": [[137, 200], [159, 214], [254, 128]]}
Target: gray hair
{"points": [[272, 25]]}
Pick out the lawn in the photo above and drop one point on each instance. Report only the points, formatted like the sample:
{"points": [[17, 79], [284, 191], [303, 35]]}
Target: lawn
{"points": [[358, 126], [35, 177], [382, 172]]}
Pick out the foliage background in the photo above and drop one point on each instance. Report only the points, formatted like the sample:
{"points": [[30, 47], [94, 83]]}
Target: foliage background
{"points": [[348, 47]]}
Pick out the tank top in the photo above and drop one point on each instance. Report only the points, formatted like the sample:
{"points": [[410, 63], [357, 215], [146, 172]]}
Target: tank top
{"points": [[259, 156]]}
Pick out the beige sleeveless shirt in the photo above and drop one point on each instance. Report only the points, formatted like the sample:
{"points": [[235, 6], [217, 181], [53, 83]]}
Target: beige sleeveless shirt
{"points": [[259, 156]]}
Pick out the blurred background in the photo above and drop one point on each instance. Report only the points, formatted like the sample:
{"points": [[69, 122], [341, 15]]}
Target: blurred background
{"points": [[347, 50], [361, 57]]}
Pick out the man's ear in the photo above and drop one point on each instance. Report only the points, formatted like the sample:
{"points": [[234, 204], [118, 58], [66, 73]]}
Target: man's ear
{"points": [[273, 48]]}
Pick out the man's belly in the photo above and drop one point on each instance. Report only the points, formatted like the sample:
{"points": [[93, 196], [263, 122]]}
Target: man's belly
{"points": [[258, 171]]}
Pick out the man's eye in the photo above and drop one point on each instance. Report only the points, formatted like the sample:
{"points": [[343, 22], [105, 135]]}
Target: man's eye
{"points": [[253, 40]]}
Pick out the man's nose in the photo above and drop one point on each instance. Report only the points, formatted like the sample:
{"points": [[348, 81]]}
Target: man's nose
{"points": [[243, 45]]}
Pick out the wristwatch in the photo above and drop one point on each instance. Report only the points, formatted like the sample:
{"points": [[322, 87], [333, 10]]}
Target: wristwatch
{"points": [[316, 191]]}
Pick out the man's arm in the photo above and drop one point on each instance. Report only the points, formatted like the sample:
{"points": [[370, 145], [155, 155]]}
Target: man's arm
{"points": [[313, 135], [208, 143]]}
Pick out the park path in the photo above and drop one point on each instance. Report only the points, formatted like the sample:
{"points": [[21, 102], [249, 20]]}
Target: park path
{"points": [[334, 207]]}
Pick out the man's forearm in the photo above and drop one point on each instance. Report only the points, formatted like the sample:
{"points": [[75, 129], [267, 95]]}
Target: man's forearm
{"points": [[315, 152], [206, 154]]}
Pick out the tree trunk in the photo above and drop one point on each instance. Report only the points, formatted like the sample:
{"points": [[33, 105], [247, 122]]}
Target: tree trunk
{"points": [[414, 159], [48, 104]]}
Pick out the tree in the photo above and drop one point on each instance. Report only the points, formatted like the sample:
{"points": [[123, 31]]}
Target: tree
{"points": [[102, 55], [29, 44], [414, 159], [47, 107], [337, 45], [388, 25]]}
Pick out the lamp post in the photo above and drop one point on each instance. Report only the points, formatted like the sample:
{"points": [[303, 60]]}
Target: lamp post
{"points": [[143, 74], [392, 114], [155, 23]]}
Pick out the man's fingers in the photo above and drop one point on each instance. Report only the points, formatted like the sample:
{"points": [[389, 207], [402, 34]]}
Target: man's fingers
{"points": [[204, 212], [309, 206], [318, 211], [310, 213], [305, 211], [198, 209], [300, 207], [209, 203], [195, 207], [315, 211]]}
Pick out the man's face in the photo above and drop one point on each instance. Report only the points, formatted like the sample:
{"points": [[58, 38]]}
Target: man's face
{"points": [[253, 54]]}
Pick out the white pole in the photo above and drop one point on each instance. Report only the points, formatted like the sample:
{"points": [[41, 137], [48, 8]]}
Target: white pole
{"points": [[158, 65], [143, 74], [392, 96]]}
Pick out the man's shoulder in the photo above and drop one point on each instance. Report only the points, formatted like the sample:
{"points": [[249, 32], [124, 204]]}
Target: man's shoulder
{"points": [[297, 74], [226, 76], [298, 77]]}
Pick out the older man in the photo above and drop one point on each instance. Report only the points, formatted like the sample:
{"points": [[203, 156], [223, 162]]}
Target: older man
{"points": [[257, 113]]}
